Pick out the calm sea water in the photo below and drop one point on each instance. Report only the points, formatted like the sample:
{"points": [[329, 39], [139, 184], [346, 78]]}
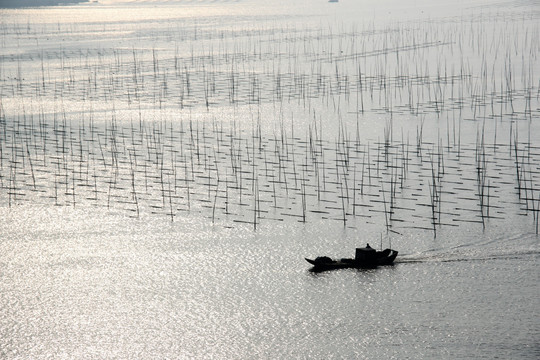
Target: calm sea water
{"points": [[84, 284], [99, 260]]}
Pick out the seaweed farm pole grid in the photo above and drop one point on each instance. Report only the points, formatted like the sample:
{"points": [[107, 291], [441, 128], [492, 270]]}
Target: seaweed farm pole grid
{"points": [[413, 125]]}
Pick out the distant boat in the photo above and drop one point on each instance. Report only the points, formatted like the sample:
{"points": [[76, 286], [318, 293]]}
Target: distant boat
{"points": [[333, 0], [364, 258]]}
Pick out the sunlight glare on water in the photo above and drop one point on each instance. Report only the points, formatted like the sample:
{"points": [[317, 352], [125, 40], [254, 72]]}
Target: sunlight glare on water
{"points": [[124, 288]]}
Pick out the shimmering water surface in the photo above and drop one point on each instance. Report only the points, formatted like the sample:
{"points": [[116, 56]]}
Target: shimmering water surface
{"points": [[165, 167]]}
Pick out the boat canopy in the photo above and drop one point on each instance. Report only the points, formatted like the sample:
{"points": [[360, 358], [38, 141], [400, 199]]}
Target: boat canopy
{"points": [[364, 254]]}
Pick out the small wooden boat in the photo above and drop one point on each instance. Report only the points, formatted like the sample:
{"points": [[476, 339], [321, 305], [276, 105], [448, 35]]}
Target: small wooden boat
{"points": [[364, 258]]}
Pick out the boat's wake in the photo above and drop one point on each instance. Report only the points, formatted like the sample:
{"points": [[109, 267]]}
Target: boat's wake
{"points": [[461, 256]]}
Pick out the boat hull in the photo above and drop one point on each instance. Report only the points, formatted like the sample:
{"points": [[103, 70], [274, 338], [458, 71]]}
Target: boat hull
{"points": [[380, 258]]}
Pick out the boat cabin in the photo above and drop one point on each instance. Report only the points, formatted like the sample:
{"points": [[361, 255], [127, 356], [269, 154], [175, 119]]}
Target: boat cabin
{"points": [[365, 254]]}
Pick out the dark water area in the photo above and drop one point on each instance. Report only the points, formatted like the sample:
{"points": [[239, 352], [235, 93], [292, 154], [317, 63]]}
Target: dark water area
{"points": [[14, 4]]}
